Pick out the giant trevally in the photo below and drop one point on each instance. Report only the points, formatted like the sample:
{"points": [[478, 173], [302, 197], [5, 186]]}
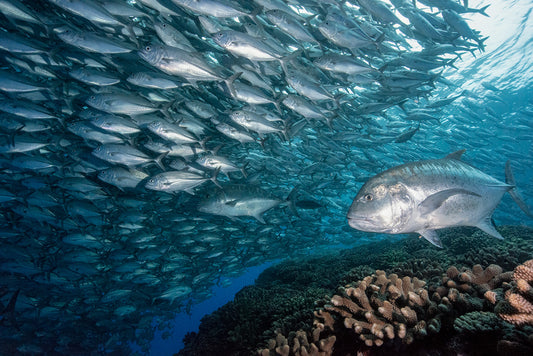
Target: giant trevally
{"points": [[242, 200], [428, 195]]}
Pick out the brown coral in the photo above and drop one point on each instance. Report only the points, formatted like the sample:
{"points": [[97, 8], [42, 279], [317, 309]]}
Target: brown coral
{"points": [[519, 310], [382, 307], [477, 282], [299, 344], [524, 271]]}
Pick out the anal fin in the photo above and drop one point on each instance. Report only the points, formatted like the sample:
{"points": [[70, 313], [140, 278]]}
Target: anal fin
{"points": [[487, 226], [259, 217], [431, 236]]}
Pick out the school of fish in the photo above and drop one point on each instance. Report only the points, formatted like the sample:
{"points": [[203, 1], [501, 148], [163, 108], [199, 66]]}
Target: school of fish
{"points": [[150, 149]]}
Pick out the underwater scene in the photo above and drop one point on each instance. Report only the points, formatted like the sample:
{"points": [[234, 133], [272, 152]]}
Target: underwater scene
{"points": [[266, 177]]}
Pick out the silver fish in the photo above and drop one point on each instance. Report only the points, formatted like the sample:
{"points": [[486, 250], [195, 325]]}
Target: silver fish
{"points": [[240, 200], [16, 83], [14, 43], [88, 9], [175, 61], [123, 154], [172, 37], [429, 195], [94, 77], [122, 178], [244, 45], [153, 80], [289, 23], [117, 103], [216, 8], [14, 9], [92, 42], [174, 181]]}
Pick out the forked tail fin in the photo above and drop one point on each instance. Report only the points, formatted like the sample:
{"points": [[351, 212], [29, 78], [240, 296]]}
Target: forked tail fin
{"points": [[515, 194]]}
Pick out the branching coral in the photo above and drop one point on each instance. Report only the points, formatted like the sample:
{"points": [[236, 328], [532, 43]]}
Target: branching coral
{"points": [[387, 309], [300, 345], [382, 307], [519, 307], [468, 287]]}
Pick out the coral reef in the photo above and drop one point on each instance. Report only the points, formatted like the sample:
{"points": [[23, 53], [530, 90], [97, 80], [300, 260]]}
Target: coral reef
{"points": [[382, 307], [517, 342], [507, 253], [435, 302], [478, 322], [482, 280], [385, 309], [299, 344], [518, 308], [422, 268], [239, 326]]}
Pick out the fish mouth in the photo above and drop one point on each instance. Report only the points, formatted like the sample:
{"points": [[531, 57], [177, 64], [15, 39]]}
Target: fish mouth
{"points": [[356, 220], [363, 223]]}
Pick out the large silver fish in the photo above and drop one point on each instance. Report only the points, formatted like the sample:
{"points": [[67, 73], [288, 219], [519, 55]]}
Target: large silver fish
{"points": [[428, 195]]}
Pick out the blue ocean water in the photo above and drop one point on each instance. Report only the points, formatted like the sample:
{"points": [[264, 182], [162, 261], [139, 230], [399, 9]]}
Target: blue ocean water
{"points": [[133, 264], [190, 321]]}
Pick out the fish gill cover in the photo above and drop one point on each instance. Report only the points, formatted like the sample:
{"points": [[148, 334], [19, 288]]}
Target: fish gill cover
{"points": [[151, 148]]}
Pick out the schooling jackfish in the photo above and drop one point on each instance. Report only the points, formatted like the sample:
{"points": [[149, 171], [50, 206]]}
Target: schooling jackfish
{"points": [[428, 195]]}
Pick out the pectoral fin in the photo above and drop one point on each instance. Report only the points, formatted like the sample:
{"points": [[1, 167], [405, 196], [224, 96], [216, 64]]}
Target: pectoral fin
{"points": [[431, 236], [434, 201], [487, 226]]}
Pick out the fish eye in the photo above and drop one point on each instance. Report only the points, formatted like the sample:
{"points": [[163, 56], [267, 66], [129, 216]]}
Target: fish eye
{"points": [[368, 197], [148, 48]]}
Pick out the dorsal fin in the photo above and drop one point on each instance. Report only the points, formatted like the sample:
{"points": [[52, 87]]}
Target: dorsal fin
{"points": [[456, 155]]}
